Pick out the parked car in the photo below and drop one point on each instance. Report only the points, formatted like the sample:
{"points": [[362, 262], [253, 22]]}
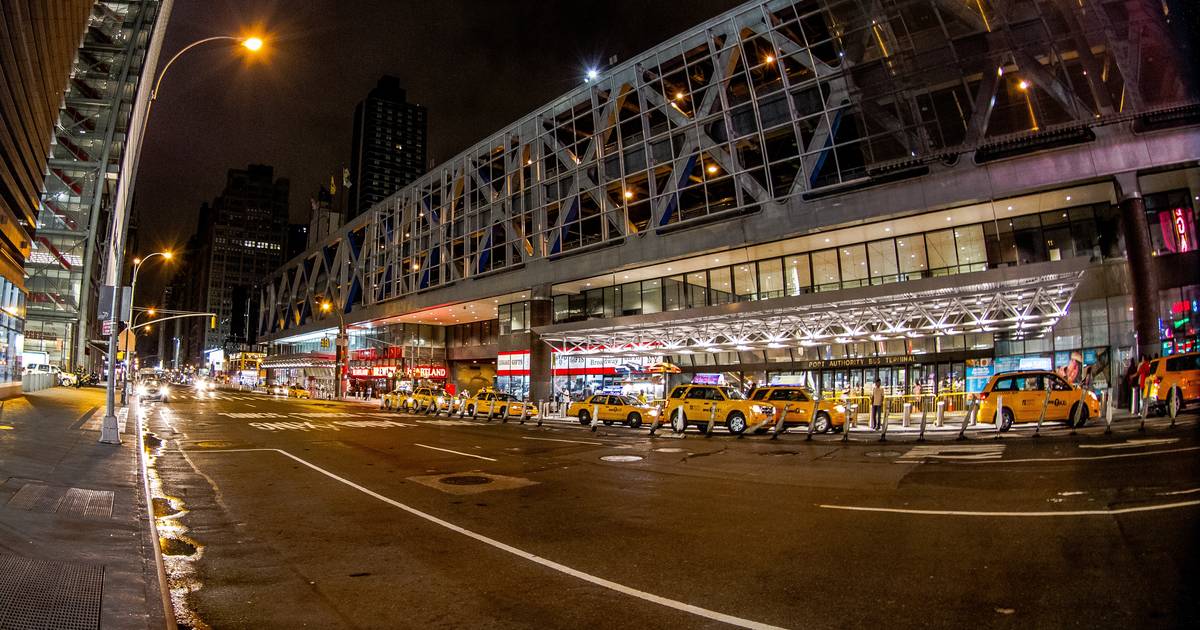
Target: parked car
{"points": [[610, 409], [295, 391], [830, 415], [423, 398], [1024, 393], [1174, 380], [153, 389], [698, 404]]}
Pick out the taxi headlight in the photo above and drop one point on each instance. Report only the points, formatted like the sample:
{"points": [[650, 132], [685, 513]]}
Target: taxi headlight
{"points": [[165, 390], [653, 411], [141, 390], [840, 408]]}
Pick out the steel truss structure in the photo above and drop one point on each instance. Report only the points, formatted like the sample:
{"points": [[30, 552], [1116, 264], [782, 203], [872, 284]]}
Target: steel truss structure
{"points": [[84, 167], [758, 107], [1010, 309]]}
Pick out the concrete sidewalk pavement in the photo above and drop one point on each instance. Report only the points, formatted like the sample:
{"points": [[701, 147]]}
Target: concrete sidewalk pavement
{"points": [[76, 549]]}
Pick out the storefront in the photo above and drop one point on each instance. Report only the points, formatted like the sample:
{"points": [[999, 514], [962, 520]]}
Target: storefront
{"points": [[581, 376], [313, 371]]}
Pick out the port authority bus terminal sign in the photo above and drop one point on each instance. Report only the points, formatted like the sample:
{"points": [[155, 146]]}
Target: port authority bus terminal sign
{"points": [[855, 362]]}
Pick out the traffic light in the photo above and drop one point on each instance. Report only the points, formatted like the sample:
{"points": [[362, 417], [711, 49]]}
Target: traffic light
{"points": [[212, 322]]}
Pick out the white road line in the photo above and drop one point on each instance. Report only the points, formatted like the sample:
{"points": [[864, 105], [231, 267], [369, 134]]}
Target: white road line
{"points": [[446, 450], [1083, 459], [1188, 491], [558, 440], [1133, 443], [1143, 508], [550, 564]]}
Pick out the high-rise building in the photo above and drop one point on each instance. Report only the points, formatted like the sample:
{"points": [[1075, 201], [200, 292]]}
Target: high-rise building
{"points": [[90, 136], [39, 42], [388, 151], [297, 240], [242, 237]]}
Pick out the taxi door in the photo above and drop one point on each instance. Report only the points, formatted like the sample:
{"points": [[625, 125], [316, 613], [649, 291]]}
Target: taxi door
{"points": [[485, 403], [799, 407], [611, 410], [698, 403], [1026, 402], [1062, 396]]}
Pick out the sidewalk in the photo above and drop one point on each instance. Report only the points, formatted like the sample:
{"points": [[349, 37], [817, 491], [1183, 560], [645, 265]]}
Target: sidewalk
{"points": [[75, 547]]}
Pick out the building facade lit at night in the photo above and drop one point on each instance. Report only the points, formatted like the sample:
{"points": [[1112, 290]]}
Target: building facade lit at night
{"points": [[808, 191]]}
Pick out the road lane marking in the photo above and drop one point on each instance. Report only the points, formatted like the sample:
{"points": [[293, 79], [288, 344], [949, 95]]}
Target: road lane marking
{"points": [[917, 454], [446, 450], [1188, 491], [1133, 443], [558, 440], [550, 564], [1143, 508], [1084, 459]]}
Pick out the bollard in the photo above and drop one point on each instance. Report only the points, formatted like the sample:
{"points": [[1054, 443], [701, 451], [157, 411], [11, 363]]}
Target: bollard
{"points": [[475, 412], [971, 407], [657, 422], [1108, 412], [940, 419], [779, 423], [1142, 412], [812, 418], [851, 420], [525, 411], [595, 417], [507, 413], [999, 419], [906, 416], [883, 424], [924, 414], [1172, 406], [543, 414], [712, 420], [1037, 432]]}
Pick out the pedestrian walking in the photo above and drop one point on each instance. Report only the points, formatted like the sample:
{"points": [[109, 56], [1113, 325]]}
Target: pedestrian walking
{"points": [[876, 405]]}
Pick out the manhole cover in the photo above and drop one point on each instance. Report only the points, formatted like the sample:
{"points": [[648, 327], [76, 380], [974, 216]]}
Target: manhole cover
{"points": [[465, 480], [883, 454], [621, 458]]}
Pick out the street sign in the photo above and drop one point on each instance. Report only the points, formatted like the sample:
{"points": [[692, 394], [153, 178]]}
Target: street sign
{"points": [[106, 327], [104, 310], [127, 340]]}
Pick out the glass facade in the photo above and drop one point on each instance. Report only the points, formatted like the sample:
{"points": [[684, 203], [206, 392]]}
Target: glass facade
{"points": [[773, 103], [12, 325]]}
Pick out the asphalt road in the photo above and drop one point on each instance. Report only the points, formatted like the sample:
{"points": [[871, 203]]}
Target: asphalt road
{"points": [[286, 514]]}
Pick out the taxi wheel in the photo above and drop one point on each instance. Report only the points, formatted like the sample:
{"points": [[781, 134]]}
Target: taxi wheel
{"points": [[635, 420], [501, 412], [736, 423], [1006, 419], [821, 425], [585, 418], [1083, 415], [387, 404], [678, 422], [470, 410]]}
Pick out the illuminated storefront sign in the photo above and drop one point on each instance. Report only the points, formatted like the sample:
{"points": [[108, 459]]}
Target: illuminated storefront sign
{"points": [[1178, 229], [371, 354], [512, 364]]}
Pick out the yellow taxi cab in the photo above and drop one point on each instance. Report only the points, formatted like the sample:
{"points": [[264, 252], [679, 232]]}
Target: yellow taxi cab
{"points": [[609, 409], [423, 398], [1174, 381], [831, 413], [295, 391], [493, 403], [1023, 394], [697, 404], [393, 400]]}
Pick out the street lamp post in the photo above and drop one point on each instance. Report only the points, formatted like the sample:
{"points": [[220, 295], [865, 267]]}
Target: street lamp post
{"points": [[130, 352], [109, 433], [340, 348]]}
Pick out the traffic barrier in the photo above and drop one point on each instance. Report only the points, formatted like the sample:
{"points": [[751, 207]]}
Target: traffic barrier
{"points": [[883, 424], [712, 420], [906, 417], [779, 428], [1037, 432], [999, 419], [595, 418], [940, 419], [924, 415], [1144, 410], [812, 418], [657, 422], [475, 412], [972, 408], [525, 410], [1172, 406], [851, 421], [507, 413]]}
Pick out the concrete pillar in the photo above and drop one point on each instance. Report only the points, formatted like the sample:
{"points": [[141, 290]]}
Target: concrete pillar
{"points": [[1143, 282], [541, 359]]}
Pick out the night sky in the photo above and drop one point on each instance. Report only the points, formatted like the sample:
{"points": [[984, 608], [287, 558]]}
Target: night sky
{"points": [[476, 65]]}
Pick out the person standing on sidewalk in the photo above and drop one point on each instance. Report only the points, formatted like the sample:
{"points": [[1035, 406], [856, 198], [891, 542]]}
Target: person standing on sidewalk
{"points": [[876, 405], [1143, 373]]}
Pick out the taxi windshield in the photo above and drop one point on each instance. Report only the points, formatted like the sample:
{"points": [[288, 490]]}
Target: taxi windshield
{"points": [[733, 394]]}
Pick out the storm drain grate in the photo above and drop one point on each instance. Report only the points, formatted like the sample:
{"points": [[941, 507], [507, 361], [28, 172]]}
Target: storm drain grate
{"points": [[46, 595], [466, 480], [37, 497], [80, 502]]}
